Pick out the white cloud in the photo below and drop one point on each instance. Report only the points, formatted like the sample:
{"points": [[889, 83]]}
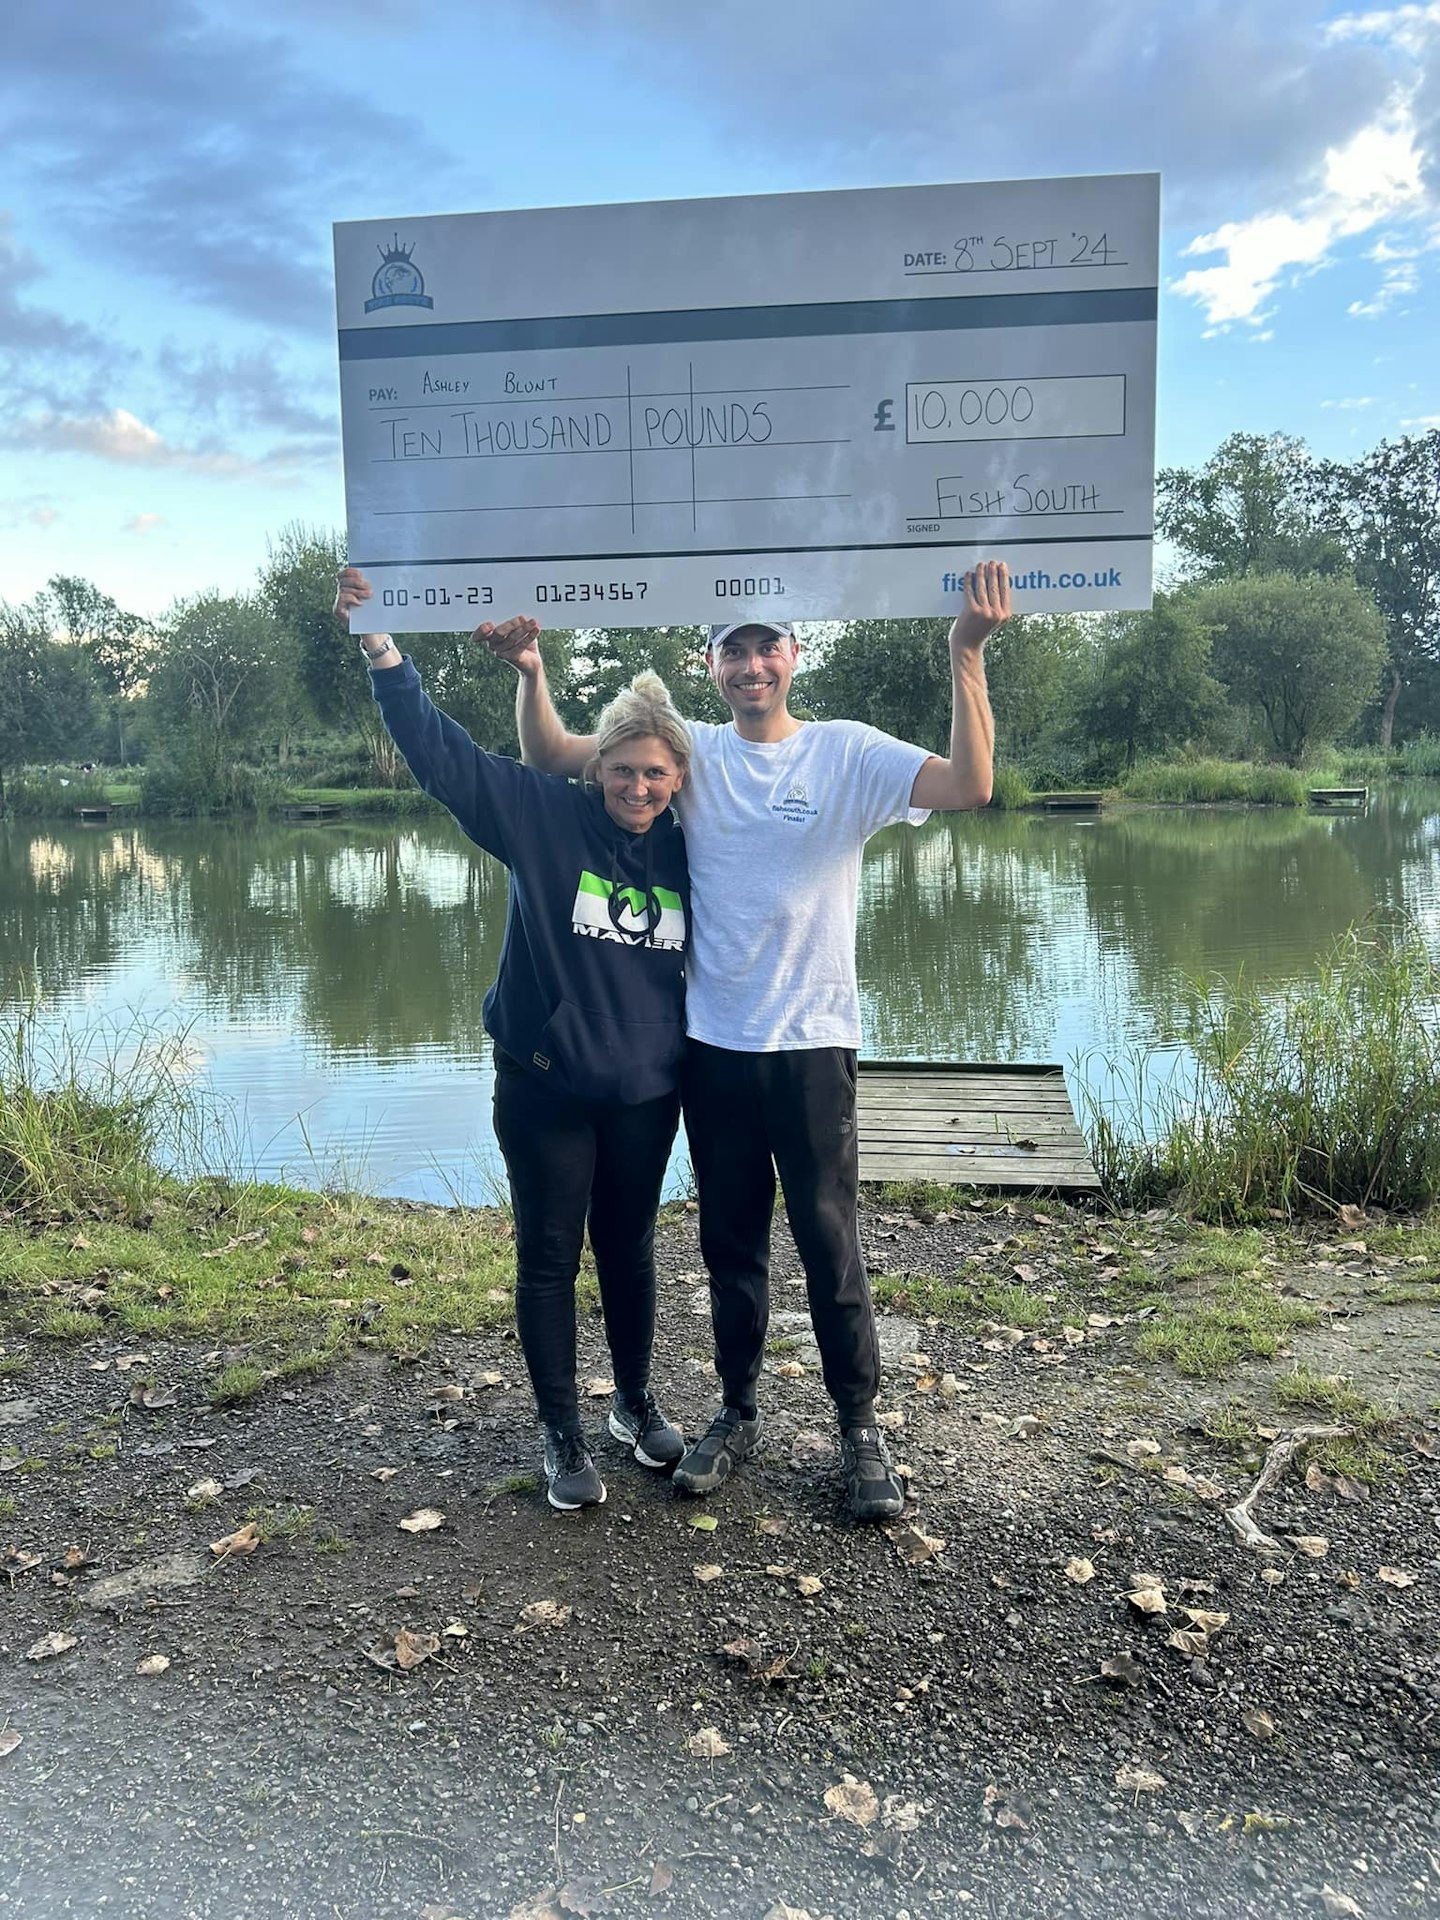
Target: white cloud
{"points": [[1398, 283], [1374, 178], [1352, 404], [118, 436], [143, 523], [1422, 423]]}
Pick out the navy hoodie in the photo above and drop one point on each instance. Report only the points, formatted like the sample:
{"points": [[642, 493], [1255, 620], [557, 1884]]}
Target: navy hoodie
{"points": [[591, 988]]}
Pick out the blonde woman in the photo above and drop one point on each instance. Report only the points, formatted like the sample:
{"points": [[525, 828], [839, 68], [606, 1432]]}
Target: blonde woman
{"points": [[587, 1018]]}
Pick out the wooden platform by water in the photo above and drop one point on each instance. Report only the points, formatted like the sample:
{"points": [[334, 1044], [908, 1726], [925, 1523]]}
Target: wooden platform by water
{"points": [[313, 810], [971, 1125], [1340, 797], [1088, 802]]}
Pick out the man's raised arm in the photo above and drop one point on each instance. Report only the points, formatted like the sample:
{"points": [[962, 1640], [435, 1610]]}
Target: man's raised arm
{"points": [[965, 779], [544, 743]]}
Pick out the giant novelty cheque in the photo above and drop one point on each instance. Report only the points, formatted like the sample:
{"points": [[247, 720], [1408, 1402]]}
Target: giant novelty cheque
{"points": [[791, 405]]}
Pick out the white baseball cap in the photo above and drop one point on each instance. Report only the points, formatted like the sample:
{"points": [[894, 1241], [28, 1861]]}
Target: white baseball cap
{"points": [[784, 628]]}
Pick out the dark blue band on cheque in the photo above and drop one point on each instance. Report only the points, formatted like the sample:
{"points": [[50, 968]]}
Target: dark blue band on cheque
{"points": [[1098, 307]]}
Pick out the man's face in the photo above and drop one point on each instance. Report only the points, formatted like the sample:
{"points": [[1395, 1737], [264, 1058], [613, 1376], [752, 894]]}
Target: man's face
{"points": [[752, 669]]}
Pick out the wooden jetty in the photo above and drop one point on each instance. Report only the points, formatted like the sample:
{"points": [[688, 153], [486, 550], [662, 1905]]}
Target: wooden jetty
{"points": [[313, 810], [1340, 797], [1070, 802], [964, 1125], [98, 816]]}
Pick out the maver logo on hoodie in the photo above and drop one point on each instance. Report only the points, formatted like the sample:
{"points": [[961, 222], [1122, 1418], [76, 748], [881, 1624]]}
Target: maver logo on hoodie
{"points": [[604, 911]]}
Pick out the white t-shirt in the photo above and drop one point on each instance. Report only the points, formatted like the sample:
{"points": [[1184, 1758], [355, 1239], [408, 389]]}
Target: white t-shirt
{"points": [[774, 831]]}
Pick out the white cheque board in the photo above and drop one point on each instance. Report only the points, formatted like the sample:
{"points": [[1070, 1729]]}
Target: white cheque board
{"points": [[818, 405]]}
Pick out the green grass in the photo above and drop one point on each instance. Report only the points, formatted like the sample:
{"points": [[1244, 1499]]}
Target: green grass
{"points": [[1335, 1398], [1010, 790], [1211, 781], [1239, 1319], [1217, 1251], [1321, 1095], [963, 1302], [281, 1523]]}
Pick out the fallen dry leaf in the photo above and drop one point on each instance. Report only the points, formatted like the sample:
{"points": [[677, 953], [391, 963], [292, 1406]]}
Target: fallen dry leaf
{"points": [[662, 1878], [1138, 1780], [411, 1648], [1396, 1576], [244, 1540], [705, 1574], [771, 1528], [488, 1379], [542, 1613], [1079, 1571], [890, 1422], [790, 1370], [258, 1237], [1314, 1546], [9, 1741], [422, 1520], [153, 1663], [1123, 1669], [901, 1816], [1350, 1216], [204, 1490], [599, 1388], [853, 1800], [1206, 1622], [707, 1744], [703, 1522], [1023, 1426], [383, 1473], [449, 1391], [1147, 1599], [1005, 1809], [1142, 1449], [809, 1585], [1255, 1720], [154, 1399], [914, 1545], [1339, 1905], [51, 1644], [1196, 1645], [1273, 1576]]}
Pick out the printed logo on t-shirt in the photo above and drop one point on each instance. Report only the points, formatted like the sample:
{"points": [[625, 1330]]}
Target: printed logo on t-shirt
{"points": [[604, 911], [796, 804]]}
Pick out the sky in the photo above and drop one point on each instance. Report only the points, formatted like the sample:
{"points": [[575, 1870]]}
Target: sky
{"points": [[171, 170]]}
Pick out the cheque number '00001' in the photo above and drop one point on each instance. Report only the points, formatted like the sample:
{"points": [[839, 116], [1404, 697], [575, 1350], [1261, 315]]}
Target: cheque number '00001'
{"points": [[747, 589]]}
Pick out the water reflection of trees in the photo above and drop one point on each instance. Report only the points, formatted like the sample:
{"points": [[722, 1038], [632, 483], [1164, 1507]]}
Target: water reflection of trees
{"points": [[367, 940], [974, 931]]}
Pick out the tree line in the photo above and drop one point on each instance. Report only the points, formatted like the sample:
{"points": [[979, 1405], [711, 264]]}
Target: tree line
{"points": [[1299, 607]]}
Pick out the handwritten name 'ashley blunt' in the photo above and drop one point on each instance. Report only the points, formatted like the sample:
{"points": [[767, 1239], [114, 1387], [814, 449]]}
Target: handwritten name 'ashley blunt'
{"points": [[472, 432]]}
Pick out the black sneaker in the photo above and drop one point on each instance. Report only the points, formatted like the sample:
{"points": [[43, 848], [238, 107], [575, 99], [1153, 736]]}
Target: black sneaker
{"points": [[727, 1441], [874, 1486], [570, 1477], [646, 1431]]}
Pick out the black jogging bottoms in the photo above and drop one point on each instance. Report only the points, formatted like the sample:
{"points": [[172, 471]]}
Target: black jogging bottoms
{"points": [[750, 1116]]}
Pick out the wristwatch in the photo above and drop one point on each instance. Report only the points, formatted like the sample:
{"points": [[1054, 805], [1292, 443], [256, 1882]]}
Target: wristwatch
{"points": [[375, 653]]}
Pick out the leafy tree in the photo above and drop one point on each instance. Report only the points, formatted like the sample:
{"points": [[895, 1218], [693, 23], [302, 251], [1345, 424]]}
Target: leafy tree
{"points": [[1153, 690], [1385, 508], [1304, 653], [222, 680], [297, 585], [49, 707], [1249, 509], [602, 661], [1035, 666], [120, 645], [894, 674]]}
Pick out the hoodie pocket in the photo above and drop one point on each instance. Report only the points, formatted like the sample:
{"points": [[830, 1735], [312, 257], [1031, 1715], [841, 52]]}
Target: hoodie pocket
{"points": [[600, 1058]]}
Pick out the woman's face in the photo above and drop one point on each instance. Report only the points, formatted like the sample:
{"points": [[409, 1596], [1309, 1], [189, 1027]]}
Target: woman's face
{"points": [[638, 779]]}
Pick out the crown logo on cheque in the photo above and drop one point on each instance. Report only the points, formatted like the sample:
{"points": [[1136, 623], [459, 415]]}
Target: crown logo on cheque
{"points": [[398, 282]]}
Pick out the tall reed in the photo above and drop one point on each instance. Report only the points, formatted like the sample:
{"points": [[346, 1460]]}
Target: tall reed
{"points": [[97, 1121], [1323, 1095]]}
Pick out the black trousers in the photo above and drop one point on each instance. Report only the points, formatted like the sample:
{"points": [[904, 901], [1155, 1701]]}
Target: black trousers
{"points": [[749, 1116], [571, 1162]]}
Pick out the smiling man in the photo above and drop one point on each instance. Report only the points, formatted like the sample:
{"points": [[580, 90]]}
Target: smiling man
{"points": [[776, 814]]}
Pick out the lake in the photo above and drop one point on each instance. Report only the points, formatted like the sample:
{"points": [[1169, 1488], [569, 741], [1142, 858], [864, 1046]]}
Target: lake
{"points": [[330, 978]]}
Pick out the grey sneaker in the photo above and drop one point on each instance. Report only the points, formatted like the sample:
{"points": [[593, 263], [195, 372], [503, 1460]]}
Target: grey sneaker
{"points": [[646, 1431], [873, 1484], [726, 1442], [570, 1477]]}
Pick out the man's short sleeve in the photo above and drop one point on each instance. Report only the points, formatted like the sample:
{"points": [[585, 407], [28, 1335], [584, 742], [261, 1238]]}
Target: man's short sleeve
{"points": [[888, 770]]}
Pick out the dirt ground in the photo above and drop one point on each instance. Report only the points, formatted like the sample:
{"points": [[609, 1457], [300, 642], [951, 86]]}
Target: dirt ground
{"points": [[743, 1706]]}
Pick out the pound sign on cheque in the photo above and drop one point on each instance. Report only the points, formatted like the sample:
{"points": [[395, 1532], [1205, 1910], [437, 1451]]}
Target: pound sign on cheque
{"points": [[883, 422]]}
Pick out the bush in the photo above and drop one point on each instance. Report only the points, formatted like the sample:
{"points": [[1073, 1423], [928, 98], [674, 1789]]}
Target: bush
{"points": [[191, 785], [1327, 1094], [42, 793], [1211, 781], [1010, 790]]}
